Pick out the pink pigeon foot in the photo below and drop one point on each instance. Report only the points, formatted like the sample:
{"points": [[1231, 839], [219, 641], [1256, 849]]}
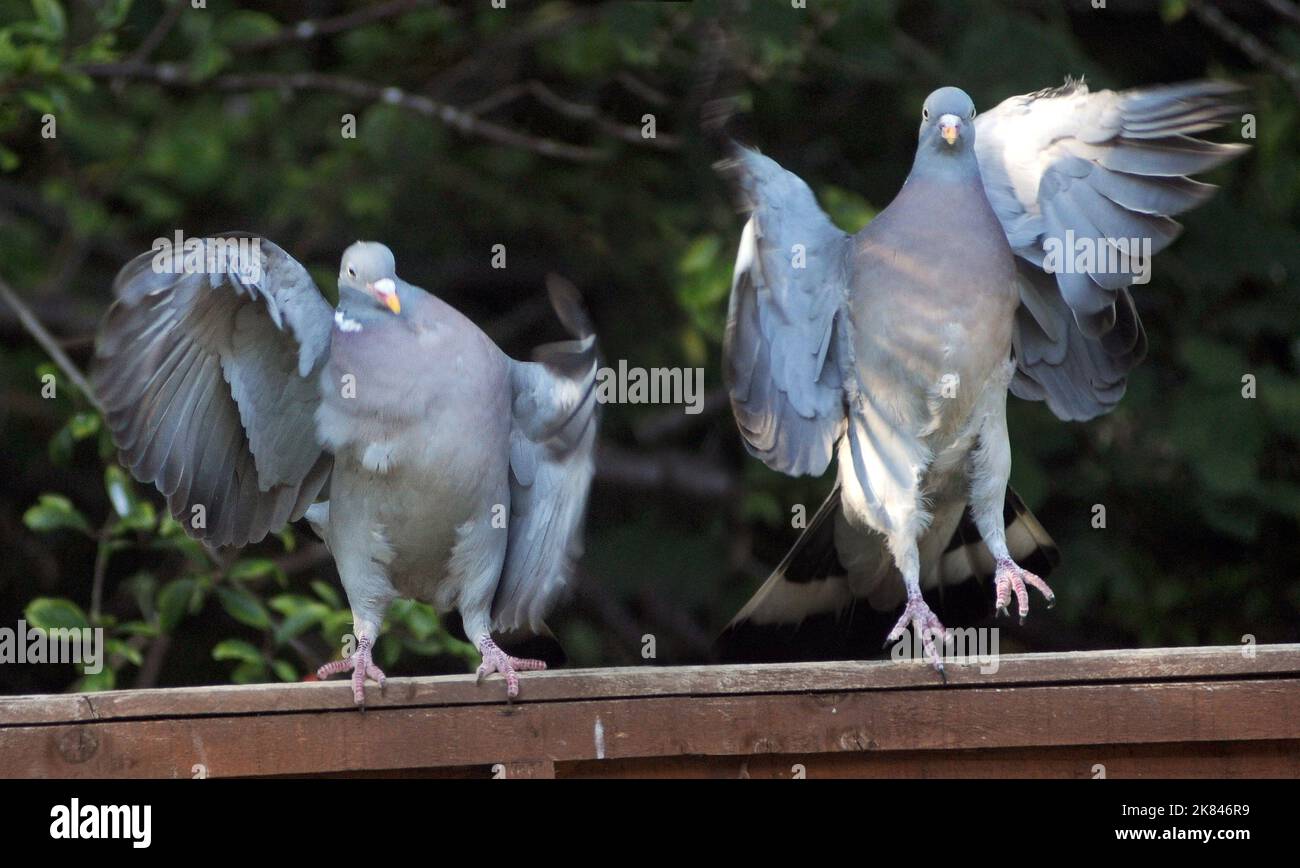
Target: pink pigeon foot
{"points": [[360, 665], [917, 615], [496, 660], [1012, 577]]}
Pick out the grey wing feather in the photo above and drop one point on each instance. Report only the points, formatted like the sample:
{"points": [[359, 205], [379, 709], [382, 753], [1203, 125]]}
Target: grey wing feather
{"points": [[787, 296], [552, 444], [206, 381], [1079, 377], [1107, 167]]}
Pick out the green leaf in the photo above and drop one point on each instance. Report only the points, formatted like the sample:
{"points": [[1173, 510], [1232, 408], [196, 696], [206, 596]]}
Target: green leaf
{"points": [[50, 14], [299, 622], [244, 607], [236, 649], [422, 621], [104, 679], [208, 60], [38, 102], [51, 613], [389, 649], [327, 593], [284, 670], [55, 512], [120, 492], [173, 601], [127, 651], [112, 13], [244, 25], [847, 209], [138, 628], [141, 518], [252, 569], [287, 538], [61, 445], [249, 673], [83, 425]]}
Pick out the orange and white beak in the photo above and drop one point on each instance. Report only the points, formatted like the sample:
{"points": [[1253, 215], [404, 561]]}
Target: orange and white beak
{"points": [[386, 291], [950, 128]]}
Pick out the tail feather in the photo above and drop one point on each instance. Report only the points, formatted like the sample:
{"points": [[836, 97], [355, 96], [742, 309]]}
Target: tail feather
{"points": [[809, 609]]}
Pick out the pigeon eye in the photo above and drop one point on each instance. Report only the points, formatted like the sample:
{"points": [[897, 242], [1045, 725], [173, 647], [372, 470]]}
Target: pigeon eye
{"points": [[972, 112], [352, 272], [925, 114]]}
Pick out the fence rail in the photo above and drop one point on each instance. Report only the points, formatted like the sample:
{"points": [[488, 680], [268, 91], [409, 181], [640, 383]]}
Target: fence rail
{"points": [[1181, 712]]}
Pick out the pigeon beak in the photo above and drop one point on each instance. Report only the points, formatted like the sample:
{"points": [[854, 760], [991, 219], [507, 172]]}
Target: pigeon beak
{"points": [[950, 128], [386, 291]]}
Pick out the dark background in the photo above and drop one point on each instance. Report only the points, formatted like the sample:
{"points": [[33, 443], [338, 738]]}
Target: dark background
{"points": [[204, 120]]}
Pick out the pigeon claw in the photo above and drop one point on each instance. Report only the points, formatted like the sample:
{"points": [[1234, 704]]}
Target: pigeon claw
{"points": [[496, 660], [361, 665], [924, 623], [1011, 577]]}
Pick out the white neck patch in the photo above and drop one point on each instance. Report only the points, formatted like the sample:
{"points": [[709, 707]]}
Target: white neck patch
{"points": [[343, 323]]}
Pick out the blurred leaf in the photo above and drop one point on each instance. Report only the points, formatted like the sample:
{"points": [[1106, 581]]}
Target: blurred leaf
{"points": [[50, 15], [236, 649], [173, 601], [245, 25], [327, 593], [130, 653], [55, 512], [252, 569], [104, 679], [299, 622], [50, 613], [119, 490], [243, 607]]}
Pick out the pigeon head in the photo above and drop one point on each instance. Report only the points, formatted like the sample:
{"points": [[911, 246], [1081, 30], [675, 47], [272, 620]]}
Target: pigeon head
{"points": [[947, 120], [368, 277]]}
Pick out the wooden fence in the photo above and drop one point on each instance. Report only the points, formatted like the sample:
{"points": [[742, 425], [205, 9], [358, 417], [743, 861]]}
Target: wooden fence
{"points": [[1182, 712]]}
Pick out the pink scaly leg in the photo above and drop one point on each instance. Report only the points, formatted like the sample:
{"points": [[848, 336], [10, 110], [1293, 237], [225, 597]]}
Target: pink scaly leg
{"points": [[1012, 577], [360, 665], [496, 660], [924, 623]]}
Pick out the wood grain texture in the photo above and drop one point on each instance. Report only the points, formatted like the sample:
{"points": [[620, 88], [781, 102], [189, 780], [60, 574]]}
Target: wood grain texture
{"points": [[1213, 711]]}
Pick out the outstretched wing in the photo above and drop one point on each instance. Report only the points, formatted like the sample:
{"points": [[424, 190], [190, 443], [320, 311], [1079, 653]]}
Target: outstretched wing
{"points": [[1109, 169], [787, 296], [207, 378], [552, 443]]}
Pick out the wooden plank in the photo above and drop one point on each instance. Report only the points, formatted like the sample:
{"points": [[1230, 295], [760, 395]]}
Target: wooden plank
{"points": [[1144, 665], [1212, 760], [735, 724]]}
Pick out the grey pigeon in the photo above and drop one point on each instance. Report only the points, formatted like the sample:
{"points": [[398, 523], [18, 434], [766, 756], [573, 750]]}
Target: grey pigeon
{"points": [[893, 349], [432, 464]]}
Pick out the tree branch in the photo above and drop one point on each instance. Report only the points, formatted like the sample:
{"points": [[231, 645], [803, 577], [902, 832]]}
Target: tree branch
{"points": [[572, 110], [150, 43], [1285, 8], [317, 28], [174, 76], [1247, 43], [48, 343]]}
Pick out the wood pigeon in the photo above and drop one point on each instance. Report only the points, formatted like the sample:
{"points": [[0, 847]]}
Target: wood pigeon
{"points": [[1004, 262], [432, 464]]}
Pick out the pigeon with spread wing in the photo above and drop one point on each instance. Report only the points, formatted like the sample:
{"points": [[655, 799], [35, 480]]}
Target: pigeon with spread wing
{"points": [[1004, 263], [433, 465]]}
